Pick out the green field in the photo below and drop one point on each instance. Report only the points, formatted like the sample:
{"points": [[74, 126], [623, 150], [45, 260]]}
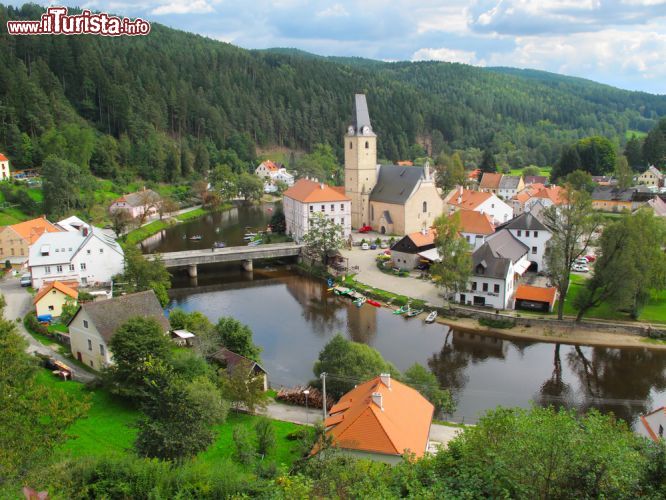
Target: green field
{"points": [[629, 133], [108, 429], [545, 171], [9, 216]]}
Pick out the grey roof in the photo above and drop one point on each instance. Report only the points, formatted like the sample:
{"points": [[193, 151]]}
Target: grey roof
{"points": [[607, 193], [509, 182], [493, 266], [524, 221], [395, 184], [504, 244], [109, 315], [138, 198], [360, 116], [232, 360]]}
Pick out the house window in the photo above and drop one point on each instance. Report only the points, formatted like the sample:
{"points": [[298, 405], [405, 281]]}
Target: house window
{"points": [[51, 308], [323, 208], [101, 349], [311, 208], [534, 250], [342, 221], [332, 207], [485, 287], [47, 269], [425, 206], [89, 345], [88, 251], [520, 233], [473, 285], [71, 267], [91, 364], [342, 207], [350, 144], [535, 234], [83, 266], [372, 212], [496, 288], [367, 145], [59, 269], [85, 323], [101, 250]]}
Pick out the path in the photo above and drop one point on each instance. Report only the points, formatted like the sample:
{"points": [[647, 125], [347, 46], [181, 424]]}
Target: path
{"points": [[19, 302], [439, 434]]}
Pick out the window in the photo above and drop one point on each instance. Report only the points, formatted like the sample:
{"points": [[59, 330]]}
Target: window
{"points": [[59, 269], [101, 349], [485, 287], [342, 207], [535, 234], [71, 267], [311, 208], [101, 250], [85, 323], [21, 251], [51, 308], [323, 208], [88, 251], [425, 206], [91, 364], [367, 145], [342, 221], [47, 269], [332, 207], [89, 345], [13, 252], [520, 233], [468, 238], [473, 285], [372, 212], [350, 144], [534, 250], [496, 288], [83, 266]]}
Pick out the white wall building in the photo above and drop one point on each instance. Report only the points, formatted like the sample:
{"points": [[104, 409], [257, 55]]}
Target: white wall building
{"points": [[307, 197], [4, 168], [87, 256], [652, 425], [527, 229], [482, 202]]}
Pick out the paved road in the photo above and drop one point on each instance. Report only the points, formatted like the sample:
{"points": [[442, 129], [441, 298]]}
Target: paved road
{"points": [[19, 302]]}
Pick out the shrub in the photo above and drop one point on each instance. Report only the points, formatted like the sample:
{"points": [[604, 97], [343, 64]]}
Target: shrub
{"points": [[265, 436], [496, 323], [34, 326], [243, 452]]}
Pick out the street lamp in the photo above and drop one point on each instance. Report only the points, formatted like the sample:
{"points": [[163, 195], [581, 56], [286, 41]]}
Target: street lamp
{"points": [[307, 416]]}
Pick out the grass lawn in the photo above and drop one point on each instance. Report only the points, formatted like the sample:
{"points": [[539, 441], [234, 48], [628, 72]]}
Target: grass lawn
{"points": [[108, 428], [545, 171], [140, 234], [9, 216], [36, 194], [192, 214]]}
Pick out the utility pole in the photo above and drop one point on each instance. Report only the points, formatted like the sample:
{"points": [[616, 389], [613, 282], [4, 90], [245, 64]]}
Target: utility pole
{"points": [[323, 386]]}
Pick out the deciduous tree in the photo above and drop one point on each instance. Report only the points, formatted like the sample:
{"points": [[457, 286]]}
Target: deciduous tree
{"points": [[237, 337], [323, 236], [455, 266]]}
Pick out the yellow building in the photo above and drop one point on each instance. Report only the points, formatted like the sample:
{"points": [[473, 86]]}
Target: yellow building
{"points": [[15, 240], [393, 199], [52, 296], [651, 177]]}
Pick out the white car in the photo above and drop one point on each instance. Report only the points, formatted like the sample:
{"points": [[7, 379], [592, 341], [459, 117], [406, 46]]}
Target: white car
{"points": [[365, 246], [581, 261], [580, 268]]}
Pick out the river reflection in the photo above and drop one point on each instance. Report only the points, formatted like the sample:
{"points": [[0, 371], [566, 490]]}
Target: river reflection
{"points": [[294, 316]]}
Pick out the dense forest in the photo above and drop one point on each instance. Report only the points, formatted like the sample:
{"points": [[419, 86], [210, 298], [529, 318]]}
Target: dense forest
{"points": [[174, 104]]}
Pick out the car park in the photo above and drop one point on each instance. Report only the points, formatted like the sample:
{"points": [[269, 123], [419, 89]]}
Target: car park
{"points": [[365, 246]]}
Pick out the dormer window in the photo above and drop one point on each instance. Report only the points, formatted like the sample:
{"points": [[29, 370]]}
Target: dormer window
{"points": [[480, 269]]}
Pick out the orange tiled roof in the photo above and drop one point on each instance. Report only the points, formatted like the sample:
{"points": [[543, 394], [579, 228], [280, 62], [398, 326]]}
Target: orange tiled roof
{"points": [[536, 293], [405, 163], [490, 181], [31, 230], [474, 174], [648, 427], [421, 240], [58, 286], [307, 191], [271, 166], [469, 199], [475, 222], [3, 157], [339, 189], [556, 194], [401, 423]]}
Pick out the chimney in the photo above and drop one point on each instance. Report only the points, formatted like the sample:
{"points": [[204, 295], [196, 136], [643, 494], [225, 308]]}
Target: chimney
{"points": [[84, 230], [386, 377], [321, 185], [377, 399]]}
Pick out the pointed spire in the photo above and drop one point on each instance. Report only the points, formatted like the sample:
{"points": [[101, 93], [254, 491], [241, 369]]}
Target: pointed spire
{"points": [[361, 116]]}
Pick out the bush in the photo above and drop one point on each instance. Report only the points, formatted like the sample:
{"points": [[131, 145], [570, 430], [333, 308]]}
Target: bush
{"points": [[496, 323], [403, 274], [34, 326], [243, 454], [265, 436]]}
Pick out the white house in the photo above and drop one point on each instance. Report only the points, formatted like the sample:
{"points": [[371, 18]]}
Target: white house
{"points": [[652, 425], [95, 323], [265, 169], [137, 204], [88, 256], [530, 231], [4, 168], [496, 266], [271, 173], [510, 186], [482, 202], [475, 227], [305, 198]]}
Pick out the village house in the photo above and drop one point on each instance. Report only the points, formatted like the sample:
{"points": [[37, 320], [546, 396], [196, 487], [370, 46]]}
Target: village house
{"points": [[537, 194], [496, 266], [265, 169], [305, 198], [530, 231], [392, 199], [88, 256], [405, 254], [4, 168], [652, 425], [140, 204], [510, 186], [382, 420], [271, 174], [536, 179], [651, 177], [490, 182], [95, 323], [657, 205], [52, 296], [234, 361], [614, 199], [479, 201], [15, 240], [475, 227], [604, 180]]}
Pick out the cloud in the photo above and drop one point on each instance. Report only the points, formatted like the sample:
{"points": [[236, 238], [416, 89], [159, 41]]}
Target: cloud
{"points": [[183, 7], [337, 10], [449, 55]]}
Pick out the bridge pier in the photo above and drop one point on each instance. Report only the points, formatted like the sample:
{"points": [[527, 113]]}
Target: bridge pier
{"points": [[192, 270], [247, 265]]}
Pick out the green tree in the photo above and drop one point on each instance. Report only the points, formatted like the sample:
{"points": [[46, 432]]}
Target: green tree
{"points": [[455, 267], [449, 171], [62, 185], [323, 236], [237, 337], [250, 187], [424, 381], [572, 225], [623, 173], [633, 150], [278, 222], [243, 449], [531, 170], [121, 222], [142, 274], [488, 163], [580, 181], [225, 180], [265, 436], [69, 309], [241, 388], [654, 145], [595, 155], [136, 346], [320, 164], [348, 364]]}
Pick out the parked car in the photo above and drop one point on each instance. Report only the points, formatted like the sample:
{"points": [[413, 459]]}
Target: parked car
{"points": [[383, 244], [580, 268], [365, 246], [591, 258], [26, 280], [581, 261], [365, 229], [373, 247]]}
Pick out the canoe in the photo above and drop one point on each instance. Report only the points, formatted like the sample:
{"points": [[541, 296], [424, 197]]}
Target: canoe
{"points": [[414, 312], [374, 303], [360, 301], [402, 310], [195, 238], [431, 317]]}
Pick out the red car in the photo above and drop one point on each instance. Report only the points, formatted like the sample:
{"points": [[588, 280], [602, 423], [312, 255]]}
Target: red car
{"points": [[590, 258], [365, 229]]}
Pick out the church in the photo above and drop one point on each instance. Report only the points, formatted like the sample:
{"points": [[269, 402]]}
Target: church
{"points": [[392, 199]]}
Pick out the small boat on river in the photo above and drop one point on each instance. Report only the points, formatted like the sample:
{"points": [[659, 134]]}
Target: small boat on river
{"points": [[196, 237], [402, 310], [431, 317], [219, 244], [373, 303], [414, 312], [360, 301]]}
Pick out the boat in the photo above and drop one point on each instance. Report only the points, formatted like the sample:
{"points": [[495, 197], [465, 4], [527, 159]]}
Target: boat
{"points": [[360, 301], [196, 237], [254, 243], [402, 310], [219, 244], [431, 317], [373, 303], [414, 312]]}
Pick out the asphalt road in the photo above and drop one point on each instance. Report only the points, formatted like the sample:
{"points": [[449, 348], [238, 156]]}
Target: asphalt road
{"points": [[19, 302]]}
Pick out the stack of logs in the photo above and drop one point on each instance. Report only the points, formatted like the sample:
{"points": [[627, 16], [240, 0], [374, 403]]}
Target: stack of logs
{"points": [[296, 396]]}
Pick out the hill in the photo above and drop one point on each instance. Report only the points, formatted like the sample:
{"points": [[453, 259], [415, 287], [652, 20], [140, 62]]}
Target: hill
{"points": [[173, 103]]}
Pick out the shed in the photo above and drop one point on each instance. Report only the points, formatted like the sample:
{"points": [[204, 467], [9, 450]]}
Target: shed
{"points": [[535, 298]]}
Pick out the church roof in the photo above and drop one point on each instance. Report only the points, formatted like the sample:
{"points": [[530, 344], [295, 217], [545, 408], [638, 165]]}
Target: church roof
{"points": [[361, 116], [395, 184]]}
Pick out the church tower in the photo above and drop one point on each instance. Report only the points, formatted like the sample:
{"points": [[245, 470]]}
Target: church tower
{"points": [[360, 162]]}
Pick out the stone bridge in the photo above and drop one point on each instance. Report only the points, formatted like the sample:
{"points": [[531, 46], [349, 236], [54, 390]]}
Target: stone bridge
{"points": [[192, 258]]}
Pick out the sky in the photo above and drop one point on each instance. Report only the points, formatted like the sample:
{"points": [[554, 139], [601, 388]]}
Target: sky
{"points": [[618, 42]]}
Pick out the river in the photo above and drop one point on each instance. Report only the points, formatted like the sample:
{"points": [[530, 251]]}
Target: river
{"points": [[293, 317]]}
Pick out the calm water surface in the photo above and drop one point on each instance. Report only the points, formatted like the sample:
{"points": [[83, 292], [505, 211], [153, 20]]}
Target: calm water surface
{"points": [[293, 317]]}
